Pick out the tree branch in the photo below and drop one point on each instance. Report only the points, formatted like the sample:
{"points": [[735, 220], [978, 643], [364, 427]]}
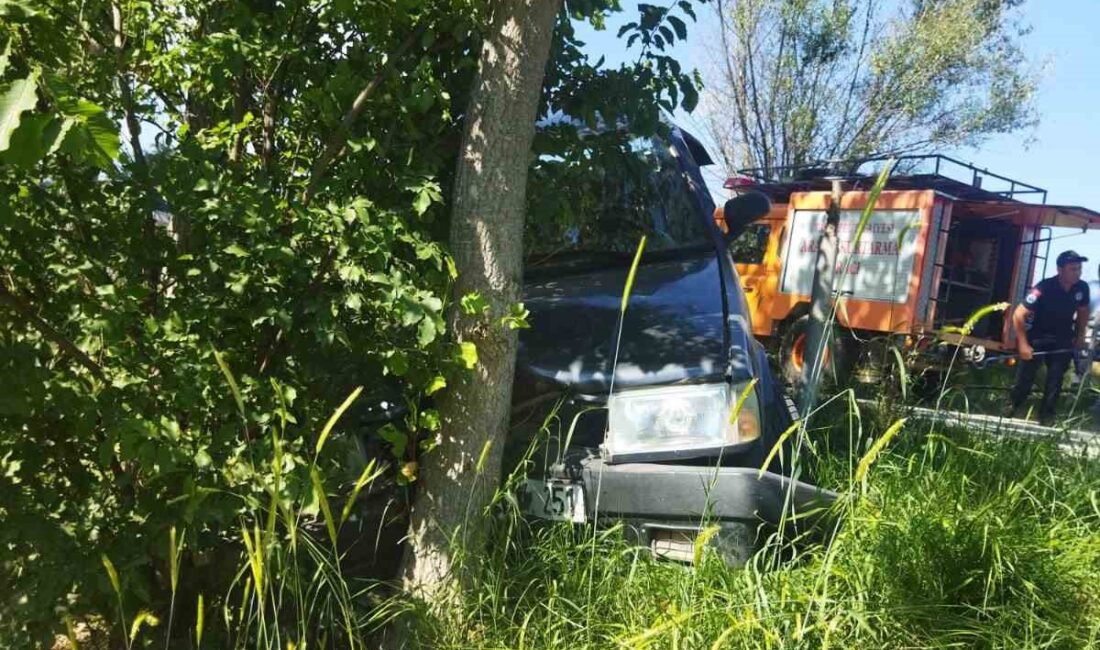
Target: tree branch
{"points": [[335, 145], [132, 124], [23, 309], [240, 105]]}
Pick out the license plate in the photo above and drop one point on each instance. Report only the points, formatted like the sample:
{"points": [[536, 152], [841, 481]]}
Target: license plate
{"points": [[554, 499]]}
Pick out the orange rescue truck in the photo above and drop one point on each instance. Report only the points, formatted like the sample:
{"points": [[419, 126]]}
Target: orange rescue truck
{"points": [[935, 250]]}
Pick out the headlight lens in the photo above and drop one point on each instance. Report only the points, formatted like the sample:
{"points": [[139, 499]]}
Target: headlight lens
{"points": [[680, 418]]}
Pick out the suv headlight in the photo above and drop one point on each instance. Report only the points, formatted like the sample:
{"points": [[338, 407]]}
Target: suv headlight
{"points": [[680, 421]]}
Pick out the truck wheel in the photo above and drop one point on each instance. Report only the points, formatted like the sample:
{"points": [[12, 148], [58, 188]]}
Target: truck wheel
{"points": [[793, 354]]}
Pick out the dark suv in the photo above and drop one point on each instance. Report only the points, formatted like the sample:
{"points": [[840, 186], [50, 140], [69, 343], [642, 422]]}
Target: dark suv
{"points": [[638, 402]]}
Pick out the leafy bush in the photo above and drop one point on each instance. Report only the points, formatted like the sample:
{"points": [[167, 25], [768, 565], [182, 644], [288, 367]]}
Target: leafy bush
{"points": [[276, 194], [123, 270]]}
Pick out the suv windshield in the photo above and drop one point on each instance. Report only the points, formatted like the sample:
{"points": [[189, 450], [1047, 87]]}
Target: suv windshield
{"points": [[597, 196]]}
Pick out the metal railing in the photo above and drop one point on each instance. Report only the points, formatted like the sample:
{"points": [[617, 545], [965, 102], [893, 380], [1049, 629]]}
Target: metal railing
{"points": [[940, 165]]}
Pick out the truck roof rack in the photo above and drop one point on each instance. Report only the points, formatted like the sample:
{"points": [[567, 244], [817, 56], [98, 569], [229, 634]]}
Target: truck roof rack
{"points": [[937, 172]]}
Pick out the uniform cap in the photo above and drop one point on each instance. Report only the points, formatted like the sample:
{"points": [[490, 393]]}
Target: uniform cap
{"points": [[1069, 257]]}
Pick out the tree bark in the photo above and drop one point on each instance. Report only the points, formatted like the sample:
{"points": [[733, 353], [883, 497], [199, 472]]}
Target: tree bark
{"points": [[457, 480]]}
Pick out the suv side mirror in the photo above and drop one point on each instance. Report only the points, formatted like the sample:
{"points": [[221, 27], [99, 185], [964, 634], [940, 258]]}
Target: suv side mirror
{"points": [[742, 210]]}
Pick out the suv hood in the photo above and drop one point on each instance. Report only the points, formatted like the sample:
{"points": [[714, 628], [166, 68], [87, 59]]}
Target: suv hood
{"points": [[674, 329]]}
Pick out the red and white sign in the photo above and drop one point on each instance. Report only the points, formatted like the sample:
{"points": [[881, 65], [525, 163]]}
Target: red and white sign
{"points": [[878, 269]]}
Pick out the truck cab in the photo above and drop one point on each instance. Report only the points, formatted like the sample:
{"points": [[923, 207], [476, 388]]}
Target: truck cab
{"points": [[944, 239]]}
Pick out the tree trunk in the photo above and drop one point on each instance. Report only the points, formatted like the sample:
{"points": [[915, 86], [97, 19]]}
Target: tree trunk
{"points": [[487, 243]]}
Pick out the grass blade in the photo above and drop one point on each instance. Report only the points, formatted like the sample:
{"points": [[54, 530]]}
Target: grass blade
{"points": [[740, 403], [902, 373], [232, 382], [199, 615], [116, 584], [335, 418], [174, 558], [70, 633], [880, 444], [484, 454], [968, 327], [144, 618], [369, 474], [112, 574], [777, 446], [701, 540], [630, 276], [255, 559], [322, 498], [872, 201]]}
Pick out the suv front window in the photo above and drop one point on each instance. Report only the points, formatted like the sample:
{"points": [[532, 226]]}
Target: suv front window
{"points": [[598, 196]]}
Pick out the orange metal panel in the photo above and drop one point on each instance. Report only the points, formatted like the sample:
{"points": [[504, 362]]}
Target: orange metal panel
{"points": [[760, 281], [882, 316]]}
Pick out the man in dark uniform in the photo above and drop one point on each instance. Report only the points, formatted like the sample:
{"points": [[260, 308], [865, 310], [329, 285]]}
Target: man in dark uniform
{"points": [[1050, 324]]}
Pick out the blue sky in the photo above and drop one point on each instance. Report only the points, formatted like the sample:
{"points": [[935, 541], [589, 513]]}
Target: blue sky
{"points": [[1061, 155]]}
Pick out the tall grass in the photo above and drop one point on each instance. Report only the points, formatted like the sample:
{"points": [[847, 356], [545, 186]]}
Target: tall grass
{"points": [[948, 540], [288, 590]]}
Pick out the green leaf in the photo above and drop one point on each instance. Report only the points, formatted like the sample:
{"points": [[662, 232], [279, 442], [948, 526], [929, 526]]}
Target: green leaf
{"points": [[235, 250], [430, 420], [411, 314], [425, 251], [679, 26], [16, 9], [395, 437], [398, 363], [5, 56], [473, 304], [15, 99], [94, 137], [423, 202], [27, 146], [517, 316], [435, 385], [56, 133], [426, 331], [468, 354]]}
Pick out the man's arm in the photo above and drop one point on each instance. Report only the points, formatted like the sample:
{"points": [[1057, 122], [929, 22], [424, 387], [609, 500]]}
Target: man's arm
{"points": [[1083, 302], [1019, 323]]}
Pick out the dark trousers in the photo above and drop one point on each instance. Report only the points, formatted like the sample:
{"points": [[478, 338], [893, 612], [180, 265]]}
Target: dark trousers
{"points": [[1057, 364]]}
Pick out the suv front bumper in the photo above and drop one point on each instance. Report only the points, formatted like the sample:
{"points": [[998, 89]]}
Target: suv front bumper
{"points": [[658, 502]]}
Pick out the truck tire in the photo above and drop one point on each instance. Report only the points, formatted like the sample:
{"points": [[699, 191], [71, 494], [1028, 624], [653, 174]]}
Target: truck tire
{"points": [[793, 354]]}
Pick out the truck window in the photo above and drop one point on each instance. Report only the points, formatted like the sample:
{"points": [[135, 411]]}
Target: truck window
{"points": [[750, 247], [597, 196]]}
